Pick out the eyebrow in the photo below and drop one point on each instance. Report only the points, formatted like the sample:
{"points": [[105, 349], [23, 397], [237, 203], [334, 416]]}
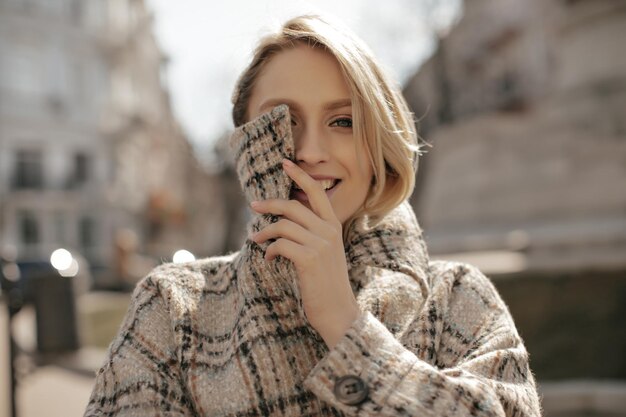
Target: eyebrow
{"points": [[332, 105], [344, 102]]}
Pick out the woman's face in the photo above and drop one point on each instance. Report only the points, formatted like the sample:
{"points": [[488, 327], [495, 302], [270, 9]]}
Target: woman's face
{"points": [[310, 82]]}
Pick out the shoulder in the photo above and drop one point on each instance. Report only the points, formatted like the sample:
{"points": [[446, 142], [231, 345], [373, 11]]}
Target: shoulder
{"points": [[187, 281], [465, 291], [474, 318], [459, 276]]}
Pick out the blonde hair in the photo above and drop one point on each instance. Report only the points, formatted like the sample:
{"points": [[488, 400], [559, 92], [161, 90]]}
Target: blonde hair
{"points": [[380, 113]]}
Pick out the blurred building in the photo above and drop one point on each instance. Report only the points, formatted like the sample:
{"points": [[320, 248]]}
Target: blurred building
{"points": [[89, 147], [55, 162], [159, 184], [524, 104]]}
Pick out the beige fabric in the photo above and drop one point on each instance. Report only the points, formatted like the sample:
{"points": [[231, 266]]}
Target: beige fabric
{"points": [[226, 336]]}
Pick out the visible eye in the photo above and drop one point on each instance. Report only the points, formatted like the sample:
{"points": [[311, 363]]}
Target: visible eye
{"points": [[294, 120], [345, 122]]}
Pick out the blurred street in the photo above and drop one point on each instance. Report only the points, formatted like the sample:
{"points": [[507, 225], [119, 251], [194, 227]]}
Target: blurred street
{"points": [[61, 389], [53, 391]]}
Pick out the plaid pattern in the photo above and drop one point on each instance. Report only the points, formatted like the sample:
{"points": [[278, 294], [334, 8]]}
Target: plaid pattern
{"points": [[259, 147], [226, 336]]}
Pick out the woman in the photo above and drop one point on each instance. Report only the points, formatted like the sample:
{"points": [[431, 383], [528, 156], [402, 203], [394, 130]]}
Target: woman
{"points": [[331, 307]]}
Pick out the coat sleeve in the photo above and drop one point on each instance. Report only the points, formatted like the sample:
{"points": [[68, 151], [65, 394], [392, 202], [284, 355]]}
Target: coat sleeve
{"points": [[140, 376], [461, 356]]}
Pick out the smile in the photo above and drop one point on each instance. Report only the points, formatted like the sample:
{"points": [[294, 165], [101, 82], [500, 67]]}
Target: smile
{"points": [[327, 184], [329, 187]]}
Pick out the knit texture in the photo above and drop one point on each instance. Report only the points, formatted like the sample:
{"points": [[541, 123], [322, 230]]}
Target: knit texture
{"points": [[226, 336]]}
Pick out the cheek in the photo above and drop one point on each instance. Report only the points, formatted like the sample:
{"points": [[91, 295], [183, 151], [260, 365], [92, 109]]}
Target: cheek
{"points": [[365, 169], [358, 163]]}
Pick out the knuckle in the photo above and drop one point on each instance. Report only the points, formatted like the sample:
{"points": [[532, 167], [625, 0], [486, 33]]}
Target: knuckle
{"points": [[324, 247], [322, 244], [275, 209], [274, 248], [292, 205], [332, 231], [309, 257]]}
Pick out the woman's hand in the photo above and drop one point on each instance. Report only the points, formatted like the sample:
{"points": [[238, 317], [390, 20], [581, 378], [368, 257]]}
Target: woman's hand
{"points": [[312, 240]]}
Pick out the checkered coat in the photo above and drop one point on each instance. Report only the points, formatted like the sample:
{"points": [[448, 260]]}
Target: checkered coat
{"points": [[226, 336]]}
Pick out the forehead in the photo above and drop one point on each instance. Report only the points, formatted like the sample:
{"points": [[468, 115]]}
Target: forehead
{"points": [[303, 74]]}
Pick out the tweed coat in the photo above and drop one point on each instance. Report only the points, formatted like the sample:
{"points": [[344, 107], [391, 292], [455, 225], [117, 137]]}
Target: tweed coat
{"points": [[226, 336]]}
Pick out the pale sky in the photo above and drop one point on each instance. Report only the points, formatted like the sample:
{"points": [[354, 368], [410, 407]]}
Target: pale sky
{"points": [[210, 42]]}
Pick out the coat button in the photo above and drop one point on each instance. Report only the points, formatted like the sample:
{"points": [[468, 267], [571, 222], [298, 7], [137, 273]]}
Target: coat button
{"points": [[350, 390]]}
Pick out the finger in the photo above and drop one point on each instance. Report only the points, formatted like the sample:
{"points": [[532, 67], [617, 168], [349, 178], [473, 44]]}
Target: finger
{"points": [[285, 248], [314, 191], [288, 230], [290, 209]]}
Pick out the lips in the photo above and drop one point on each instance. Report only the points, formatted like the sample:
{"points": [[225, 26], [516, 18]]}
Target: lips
{"points": [[330, 185], [326, 183]]}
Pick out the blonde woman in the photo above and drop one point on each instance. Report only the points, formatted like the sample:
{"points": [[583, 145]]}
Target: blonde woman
{"points": [[331, 307]]}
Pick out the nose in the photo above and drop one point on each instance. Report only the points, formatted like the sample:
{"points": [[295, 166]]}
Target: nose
{"points": [[311, 147]]}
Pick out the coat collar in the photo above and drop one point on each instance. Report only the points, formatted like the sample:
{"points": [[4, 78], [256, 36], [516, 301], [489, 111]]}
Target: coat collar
{"points": [[395, 243]]}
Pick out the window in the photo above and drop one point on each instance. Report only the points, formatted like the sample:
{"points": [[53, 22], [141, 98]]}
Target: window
{"points": [[28, 169], [60, 228], [80, 171], [81, 168], [28, 227], [86, 230]]}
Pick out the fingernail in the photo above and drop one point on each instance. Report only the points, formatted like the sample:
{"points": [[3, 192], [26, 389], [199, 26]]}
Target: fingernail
{"points": [[287, 163], [254, 204]]}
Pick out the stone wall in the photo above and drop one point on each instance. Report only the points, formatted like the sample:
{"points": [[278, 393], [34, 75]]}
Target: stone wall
{"points": [[525, 111], [572, 323]]}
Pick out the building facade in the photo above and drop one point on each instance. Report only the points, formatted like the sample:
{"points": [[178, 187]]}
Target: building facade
{"points": [[89, 147], [55, 163], [524, 104]]}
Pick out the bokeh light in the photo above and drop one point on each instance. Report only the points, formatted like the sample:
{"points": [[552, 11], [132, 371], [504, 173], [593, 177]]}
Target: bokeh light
{"points": [[182, 256], [61, 259]]}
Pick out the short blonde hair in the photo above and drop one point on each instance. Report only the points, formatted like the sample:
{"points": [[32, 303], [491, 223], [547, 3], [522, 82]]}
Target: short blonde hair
{"points": [[380, 113]]}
